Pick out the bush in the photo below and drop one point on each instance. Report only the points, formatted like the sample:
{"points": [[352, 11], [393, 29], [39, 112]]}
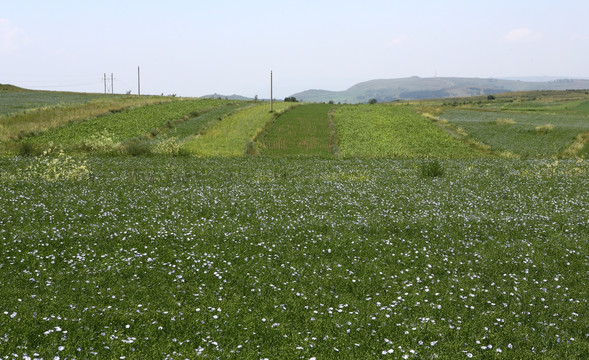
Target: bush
{"points": [[251, 148], [372, 101], [138, 149], [290, 99], [26, 149], [432, 169]]}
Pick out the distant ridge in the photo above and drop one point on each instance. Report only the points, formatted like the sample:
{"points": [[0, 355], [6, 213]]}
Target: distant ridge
{"points": [[414, 88], [7, 88], [228, 97]]}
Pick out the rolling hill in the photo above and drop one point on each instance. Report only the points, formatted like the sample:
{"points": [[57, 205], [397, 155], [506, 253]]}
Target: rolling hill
{"points": [[414, 88]]}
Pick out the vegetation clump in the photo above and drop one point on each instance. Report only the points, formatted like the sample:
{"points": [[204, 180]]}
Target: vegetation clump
{"points": [[544, 129], [432, 169], [504, 121]]}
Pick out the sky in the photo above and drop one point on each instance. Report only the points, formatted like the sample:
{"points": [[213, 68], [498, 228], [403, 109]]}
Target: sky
{"points": [[196, 48]]}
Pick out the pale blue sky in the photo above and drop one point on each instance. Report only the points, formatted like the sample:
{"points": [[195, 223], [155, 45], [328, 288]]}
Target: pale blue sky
{"points": [[193, 48]]}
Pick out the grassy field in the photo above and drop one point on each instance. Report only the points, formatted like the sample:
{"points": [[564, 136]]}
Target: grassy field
{"points": [[530, 126], [15, 126], [520, 136], [304, 130], [393, 130], [116, 128], [13, 99], [156, 257], [411, 241], [231, 135]]}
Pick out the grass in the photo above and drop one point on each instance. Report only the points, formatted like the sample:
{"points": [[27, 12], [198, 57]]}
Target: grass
{"points": [[199, 124], [504, 121], [15, 100], [393, 130], [544, 129], [37, 121], [253, 257], [230, 135], [304, 130], [443, 253], [521, 137], [145, 121]]}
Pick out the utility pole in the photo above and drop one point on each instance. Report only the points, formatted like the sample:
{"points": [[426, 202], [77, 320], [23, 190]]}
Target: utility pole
{"points": [[105, 83], [271, 97], [138, 81], [112, 83]]}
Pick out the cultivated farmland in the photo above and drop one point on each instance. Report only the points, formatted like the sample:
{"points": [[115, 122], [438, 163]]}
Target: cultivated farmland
{"points": [[231, 135], [521, 136], [126, 125], [299, 258], [18, 125], [410, 242], [393, 130], [13, 99], [304, 130]]}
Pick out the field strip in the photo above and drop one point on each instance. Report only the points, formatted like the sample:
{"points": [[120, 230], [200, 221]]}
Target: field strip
{"points": [[36, 121], [393, 130], [304, 130], [124, 125], [230, 135]]}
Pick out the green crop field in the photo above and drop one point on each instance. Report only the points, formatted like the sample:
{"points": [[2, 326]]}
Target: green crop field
{"points": [[304, 130], [396, 236], [521, 137], [30, 123], [393, 130], [12, 101], [125, 125], [230, 136], [157, 257]]}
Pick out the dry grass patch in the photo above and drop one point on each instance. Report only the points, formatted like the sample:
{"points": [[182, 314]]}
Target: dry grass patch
{"points": [[504, 121], [544, 129]]}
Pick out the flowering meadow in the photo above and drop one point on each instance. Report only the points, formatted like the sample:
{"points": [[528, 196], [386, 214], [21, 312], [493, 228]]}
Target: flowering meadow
{"points": [[298, 258]]}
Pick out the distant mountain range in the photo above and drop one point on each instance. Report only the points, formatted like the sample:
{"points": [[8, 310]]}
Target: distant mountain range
{"points": [[413, 88]]}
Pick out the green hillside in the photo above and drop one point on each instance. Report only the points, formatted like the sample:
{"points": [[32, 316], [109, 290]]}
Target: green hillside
{"points": [[413, 88], [15, 99]]}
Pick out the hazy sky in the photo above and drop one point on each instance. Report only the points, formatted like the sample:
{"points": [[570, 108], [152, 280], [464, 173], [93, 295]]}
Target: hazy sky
{"points": [[194, 48]]}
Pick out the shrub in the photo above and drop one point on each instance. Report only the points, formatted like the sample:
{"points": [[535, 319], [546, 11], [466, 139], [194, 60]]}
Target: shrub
{"points": [[138, 148], [544, 129], [169, 146], [432, 169], [251, 148], [26, 149], [102, 141]]}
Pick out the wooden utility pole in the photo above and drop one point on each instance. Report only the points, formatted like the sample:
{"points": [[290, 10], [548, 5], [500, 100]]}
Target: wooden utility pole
{"points": [[138, 81], [271, 97]]}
